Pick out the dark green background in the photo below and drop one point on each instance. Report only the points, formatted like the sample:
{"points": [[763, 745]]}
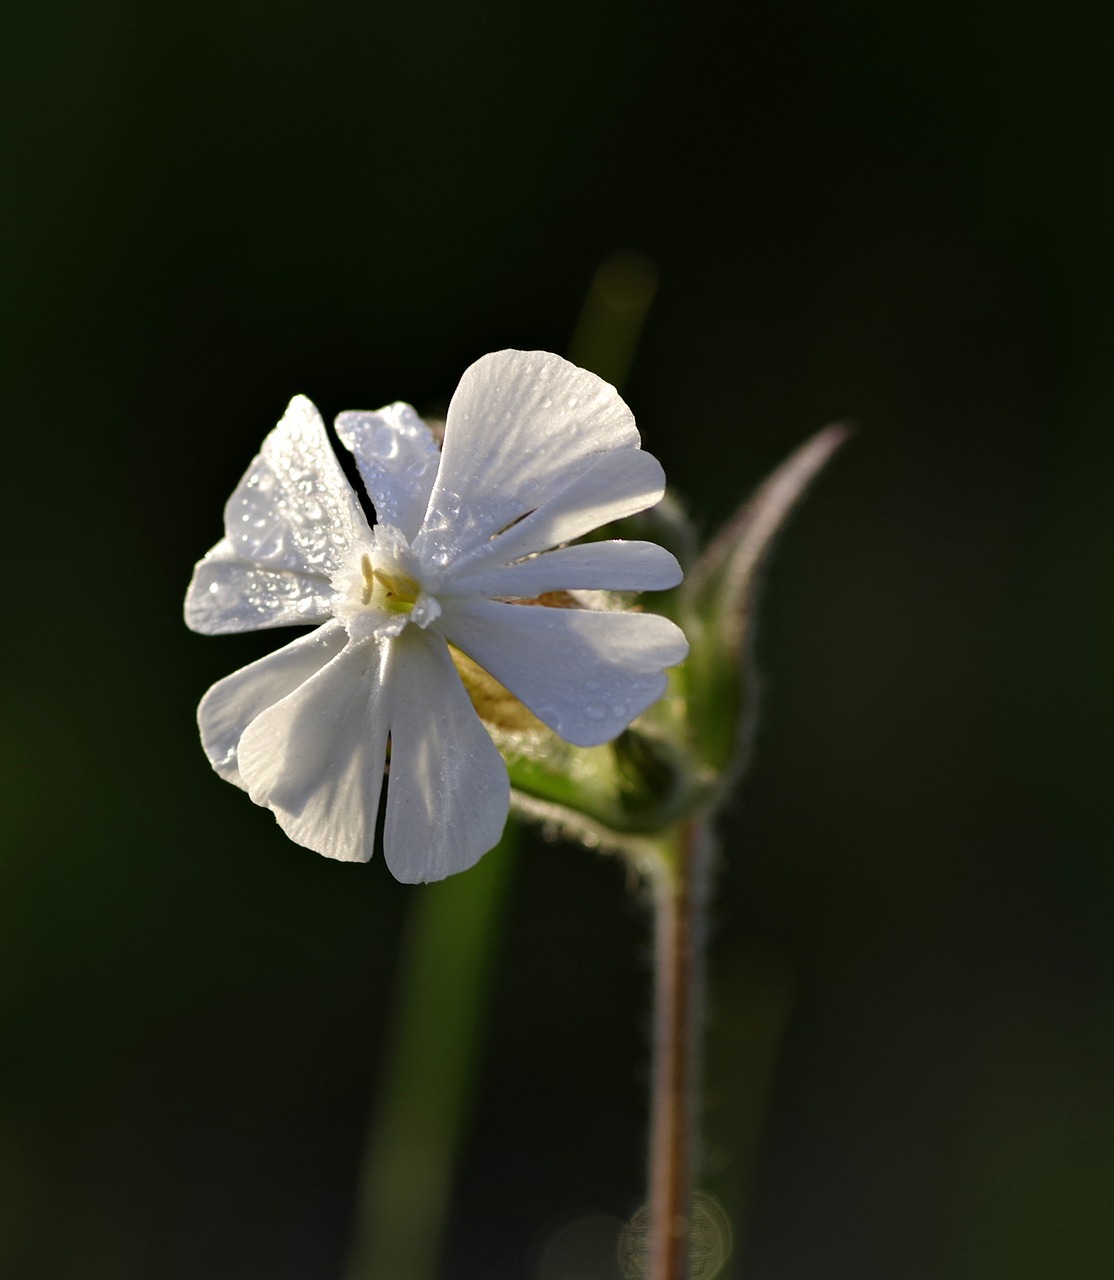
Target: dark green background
{"points": [[900, 213]]}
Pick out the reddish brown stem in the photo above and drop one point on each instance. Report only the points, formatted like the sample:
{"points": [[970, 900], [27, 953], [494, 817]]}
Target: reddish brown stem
{"points": [[680, 892]]}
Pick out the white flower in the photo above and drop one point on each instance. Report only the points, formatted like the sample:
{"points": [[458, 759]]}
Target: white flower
{"points": [[536, 452]]}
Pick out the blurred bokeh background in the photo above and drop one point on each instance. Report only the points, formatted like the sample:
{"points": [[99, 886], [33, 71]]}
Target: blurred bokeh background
{"points": [[902, 214]]}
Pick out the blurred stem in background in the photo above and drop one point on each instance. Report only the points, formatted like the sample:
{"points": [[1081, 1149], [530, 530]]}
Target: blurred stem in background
{"points": [[610, 324], [452, 936]]}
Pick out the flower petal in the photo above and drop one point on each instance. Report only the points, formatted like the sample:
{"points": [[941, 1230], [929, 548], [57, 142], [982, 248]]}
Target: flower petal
{"points": [[228, 594], [583, 672], [612, 486], [448, 793], [316, 758], [234, 702], [520, 426], [294, 510], [594, 566], [397, 457]]}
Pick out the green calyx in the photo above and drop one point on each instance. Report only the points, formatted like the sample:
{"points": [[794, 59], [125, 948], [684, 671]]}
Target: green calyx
{"points": [[680, 757]]}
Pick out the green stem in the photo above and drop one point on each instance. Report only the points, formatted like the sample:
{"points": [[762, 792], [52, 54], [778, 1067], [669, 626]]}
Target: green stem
{"points": [[680, 896], [414, 1137]]}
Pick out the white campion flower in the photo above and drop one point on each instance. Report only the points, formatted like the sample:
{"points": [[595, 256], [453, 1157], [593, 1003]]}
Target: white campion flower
{"points": [[536, 453]]}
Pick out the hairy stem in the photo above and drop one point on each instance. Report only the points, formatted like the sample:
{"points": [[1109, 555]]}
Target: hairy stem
{"points": [[680, 890]]}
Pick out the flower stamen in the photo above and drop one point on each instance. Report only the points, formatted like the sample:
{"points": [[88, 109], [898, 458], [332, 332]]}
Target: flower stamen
{"points": [[400, 591]]}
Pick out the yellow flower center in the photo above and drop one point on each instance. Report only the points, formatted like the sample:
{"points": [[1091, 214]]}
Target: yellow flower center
{"points": [[399, 592]]}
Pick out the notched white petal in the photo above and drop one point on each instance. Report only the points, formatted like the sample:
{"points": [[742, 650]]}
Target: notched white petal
{"points": [[227, 594], [397, 458], [294, 510], [592, 566], [448, 794], [608, 487], [316, 757], [520, 425], [586, 674], [234, 702]]}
